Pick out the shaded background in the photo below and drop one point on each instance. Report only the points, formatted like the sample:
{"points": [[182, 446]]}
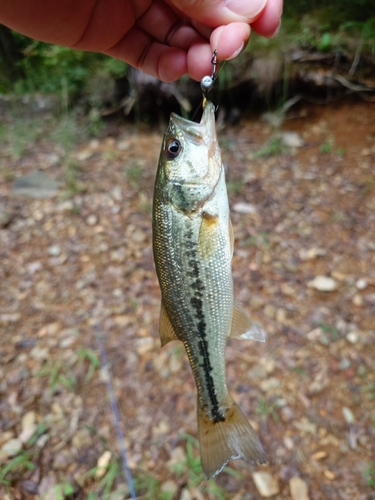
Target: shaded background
{"points": [[80, 136]]}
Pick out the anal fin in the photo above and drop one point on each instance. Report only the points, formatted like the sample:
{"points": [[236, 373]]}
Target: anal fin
{"points": [[166, 329], [244, 328]]}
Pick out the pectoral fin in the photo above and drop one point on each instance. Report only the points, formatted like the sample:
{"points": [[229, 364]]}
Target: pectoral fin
{"points": [[208, 235], [244, 328], [166, 330]]}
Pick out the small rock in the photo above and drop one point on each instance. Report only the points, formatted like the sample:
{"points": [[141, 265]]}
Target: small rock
{"points": [[39, 353], [344, 363], [30, 486], [102, 464], [319, 455], [304, 425], [169, 487], [266, 484], [47, 489], [28, 426], [35, 185], [352, 337], [292, 140], [11, 447], [323, 284], [185, 495], [357, 300], [348, 415], [298, 489], [81, 438], [328, 474], [5, 217], [269, 384], [244, 208], [54, 250], [123, 145], [91, 220], [178, 457], [311, 253], [361, 284]]}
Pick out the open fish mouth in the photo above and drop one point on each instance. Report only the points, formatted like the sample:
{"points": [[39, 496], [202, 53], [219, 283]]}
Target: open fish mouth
{"points": [[197, 131]]}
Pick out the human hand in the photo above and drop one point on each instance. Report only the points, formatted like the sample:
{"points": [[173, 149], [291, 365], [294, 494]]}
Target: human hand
{"points": [[164, 38]]}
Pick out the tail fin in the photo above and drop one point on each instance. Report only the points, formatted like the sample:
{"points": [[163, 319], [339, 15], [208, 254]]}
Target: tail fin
{"points": [[227, 440]]}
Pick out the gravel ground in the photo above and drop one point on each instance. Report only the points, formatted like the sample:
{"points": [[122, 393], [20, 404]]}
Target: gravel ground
{"points": [[303, 212]]}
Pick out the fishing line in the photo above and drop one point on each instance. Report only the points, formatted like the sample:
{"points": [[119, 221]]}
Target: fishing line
{"points": [[214, 76], [114, 408]]}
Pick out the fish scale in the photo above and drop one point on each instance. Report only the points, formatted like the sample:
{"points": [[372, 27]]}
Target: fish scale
{"points": [[193, 246]]}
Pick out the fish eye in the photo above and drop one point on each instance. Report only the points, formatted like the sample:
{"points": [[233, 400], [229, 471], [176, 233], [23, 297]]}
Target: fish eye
{"points": [[173, 148]]}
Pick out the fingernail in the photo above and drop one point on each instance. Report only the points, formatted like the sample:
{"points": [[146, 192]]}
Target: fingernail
{"points": [[247, 9], [236, 52], [276, 32]]}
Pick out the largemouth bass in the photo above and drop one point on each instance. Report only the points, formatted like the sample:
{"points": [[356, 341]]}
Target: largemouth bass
{"points": [[193, 247]]}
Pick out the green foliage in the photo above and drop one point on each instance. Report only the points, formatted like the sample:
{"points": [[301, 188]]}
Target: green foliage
{"points": [[370, 474], [21, 463], [273, 147]]}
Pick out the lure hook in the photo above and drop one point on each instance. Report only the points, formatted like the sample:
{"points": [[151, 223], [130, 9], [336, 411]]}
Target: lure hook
{"points": [[207, 81]]}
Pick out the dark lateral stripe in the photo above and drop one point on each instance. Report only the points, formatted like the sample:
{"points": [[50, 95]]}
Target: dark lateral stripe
{"points": [[197, 304]]}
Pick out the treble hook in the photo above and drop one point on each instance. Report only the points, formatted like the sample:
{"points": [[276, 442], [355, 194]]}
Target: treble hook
{"points": [[207, 82]]}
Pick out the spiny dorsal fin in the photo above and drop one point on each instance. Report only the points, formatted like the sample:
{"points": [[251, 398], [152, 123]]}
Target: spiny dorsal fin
{"points": [[243, 327], [166, 330]]}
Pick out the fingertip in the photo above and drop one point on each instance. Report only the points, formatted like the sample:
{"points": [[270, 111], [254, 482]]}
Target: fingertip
{"points": [[199, 61], [230, 40], [268, 24]]}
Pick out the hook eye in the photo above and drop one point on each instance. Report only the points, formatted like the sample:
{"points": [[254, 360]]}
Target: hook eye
{"points": [[173, 148]]}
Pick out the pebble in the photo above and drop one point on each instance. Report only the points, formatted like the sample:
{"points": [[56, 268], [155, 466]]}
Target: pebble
{"points": [[28, 426], [352, 337], [357, 300], [292, 140], [323, 284], [11, 447], [361, 284], [102, 464], [91, 220], [54, 250], [244, 208], [5, 217], [348, 415], [266, 484], [319, 455], [269, 384], [35, 185], [39, 353], [298, 489], [328, 474], [169, 487]]}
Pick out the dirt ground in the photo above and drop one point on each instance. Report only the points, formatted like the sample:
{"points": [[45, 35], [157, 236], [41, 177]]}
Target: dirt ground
{"points": [[83, 257]]}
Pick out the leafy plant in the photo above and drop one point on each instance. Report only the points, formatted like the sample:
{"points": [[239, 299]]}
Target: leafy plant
{"points": [[85, 354], [370, 474], [21, 463], [273, 147]]}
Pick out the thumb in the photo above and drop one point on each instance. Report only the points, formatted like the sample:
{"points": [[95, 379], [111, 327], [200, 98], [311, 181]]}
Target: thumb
{"points": [[218, 12]]}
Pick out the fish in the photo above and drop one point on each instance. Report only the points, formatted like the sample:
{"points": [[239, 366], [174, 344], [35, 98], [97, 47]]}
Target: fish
{"points": [[193, 249]]}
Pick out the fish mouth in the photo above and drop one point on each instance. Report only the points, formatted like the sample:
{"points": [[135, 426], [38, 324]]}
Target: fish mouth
{"points": [[197, 131]]}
